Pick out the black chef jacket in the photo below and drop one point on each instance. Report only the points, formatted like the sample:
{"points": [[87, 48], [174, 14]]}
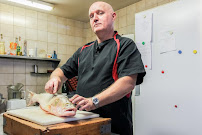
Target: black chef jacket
{"points": [[93, 65]]}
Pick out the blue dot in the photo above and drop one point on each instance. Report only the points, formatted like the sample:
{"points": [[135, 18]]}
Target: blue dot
{"points": [[179, 51]]}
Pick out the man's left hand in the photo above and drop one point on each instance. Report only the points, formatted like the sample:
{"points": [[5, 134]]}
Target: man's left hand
{"points": [[82, 103]]}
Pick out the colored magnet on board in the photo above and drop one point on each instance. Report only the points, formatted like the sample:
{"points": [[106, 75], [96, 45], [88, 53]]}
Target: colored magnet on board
{"points": [[143, 43], [171, 33], [175, 106], [162, 72], [195, 51], [146, 66], [180, 52]]}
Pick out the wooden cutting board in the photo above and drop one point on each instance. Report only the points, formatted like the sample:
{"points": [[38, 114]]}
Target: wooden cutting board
{"points": [[38, 116]]}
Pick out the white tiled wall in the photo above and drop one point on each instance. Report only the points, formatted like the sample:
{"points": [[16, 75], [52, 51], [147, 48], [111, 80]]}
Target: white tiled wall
{"points": [[48, 33], [44, 31], [125, 21], [40, 29]]}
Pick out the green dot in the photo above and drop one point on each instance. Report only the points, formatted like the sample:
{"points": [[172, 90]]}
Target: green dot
{"points": [[143, 43]]}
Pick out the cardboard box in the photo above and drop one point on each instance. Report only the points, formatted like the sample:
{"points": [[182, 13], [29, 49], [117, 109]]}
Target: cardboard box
{"points": [[95, 126]]}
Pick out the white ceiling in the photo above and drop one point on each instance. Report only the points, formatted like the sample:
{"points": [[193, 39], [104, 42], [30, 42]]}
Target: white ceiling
{"points": [[77, 9]]}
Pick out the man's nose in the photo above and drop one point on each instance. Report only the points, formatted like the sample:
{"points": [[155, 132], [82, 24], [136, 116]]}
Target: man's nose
{"points": [[95, 18]]}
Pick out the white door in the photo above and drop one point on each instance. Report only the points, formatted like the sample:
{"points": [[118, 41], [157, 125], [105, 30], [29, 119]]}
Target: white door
{"points": [[170, 103]]}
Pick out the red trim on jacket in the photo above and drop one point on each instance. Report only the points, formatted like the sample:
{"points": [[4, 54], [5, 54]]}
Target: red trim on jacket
{"points": [[115, 67], [82, 50]]}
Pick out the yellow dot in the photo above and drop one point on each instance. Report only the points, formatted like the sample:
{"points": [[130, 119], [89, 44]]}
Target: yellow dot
{"points": [[195, 51]]}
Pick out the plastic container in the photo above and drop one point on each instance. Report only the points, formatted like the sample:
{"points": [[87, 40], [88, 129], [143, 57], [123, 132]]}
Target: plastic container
{"points": [[31, 52]]}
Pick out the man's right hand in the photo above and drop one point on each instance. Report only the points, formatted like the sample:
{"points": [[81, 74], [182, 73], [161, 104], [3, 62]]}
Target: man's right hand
{"points": [[53, 85]]}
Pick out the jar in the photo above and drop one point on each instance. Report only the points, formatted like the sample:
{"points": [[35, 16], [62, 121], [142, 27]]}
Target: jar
{"points": [[31, 52]]}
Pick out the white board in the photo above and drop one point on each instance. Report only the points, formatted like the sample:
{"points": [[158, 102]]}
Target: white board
{"points": [[171, 103], [38, 116]]}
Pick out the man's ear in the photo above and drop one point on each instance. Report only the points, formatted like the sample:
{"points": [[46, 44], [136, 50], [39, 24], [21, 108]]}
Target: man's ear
{"points": [[114, 16]]}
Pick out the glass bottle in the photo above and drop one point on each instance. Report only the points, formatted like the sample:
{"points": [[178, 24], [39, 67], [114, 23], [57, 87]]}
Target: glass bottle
{"points": [[25, 48], [2, 45], [18, 47], [54, 55]]}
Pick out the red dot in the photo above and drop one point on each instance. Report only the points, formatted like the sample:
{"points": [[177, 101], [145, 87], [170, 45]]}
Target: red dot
{"points": [[146, 66], [175, 106], [162, 72]]}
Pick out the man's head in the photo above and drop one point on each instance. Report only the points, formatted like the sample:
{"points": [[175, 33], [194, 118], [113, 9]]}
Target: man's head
{"points": [[102, 17]]}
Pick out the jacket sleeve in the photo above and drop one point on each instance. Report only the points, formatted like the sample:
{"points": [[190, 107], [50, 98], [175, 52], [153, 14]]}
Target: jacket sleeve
{"points": [[129, 60], [70, 68]]}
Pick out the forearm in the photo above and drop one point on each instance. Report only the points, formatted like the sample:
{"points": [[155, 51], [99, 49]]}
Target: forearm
{"points": [[58, 73], [117, 90]]}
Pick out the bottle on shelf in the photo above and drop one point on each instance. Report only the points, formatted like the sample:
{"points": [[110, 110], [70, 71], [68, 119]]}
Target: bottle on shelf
{"points": [[18, 47], [54, 55], [25, 48], [2, 45]]}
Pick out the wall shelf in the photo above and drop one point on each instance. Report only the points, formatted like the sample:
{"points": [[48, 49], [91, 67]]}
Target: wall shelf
{"points": [[54, 61], [40, 73], [29, 58]]}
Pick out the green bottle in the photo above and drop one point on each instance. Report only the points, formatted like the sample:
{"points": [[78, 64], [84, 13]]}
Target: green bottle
{"points": [[18, 47]]}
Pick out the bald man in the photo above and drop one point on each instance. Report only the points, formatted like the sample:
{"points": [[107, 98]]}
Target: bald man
{"points": [[108, 70]]}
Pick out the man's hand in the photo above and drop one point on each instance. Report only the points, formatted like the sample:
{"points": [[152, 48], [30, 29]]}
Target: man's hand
{"points": [[53, 85], [82, 103]]}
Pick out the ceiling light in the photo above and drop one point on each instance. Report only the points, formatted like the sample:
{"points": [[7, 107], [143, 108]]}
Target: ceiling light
{"points": [[35, 4]]}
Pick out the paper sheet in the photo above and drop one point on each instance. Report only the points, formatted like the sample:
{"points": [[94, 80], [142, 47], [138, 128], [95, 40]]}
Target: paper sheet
{"points": [[166, 40], [143, 27], [146, 53]]}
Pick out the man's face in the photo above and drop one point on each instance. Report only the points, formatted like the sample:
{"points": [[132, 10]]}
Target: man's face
{"points": [[101, 17]]}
